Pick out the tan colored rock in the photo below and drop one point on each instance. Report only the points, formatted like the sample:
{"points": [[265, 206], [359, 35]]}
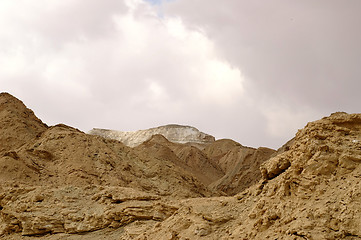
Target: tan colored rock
{"points": [[40, 210]]}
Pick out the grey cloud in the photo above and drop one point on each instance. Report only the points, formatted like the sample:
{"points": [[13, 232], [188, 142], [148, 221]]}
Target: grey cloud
{"points": [[71, 21], [299, 50]]}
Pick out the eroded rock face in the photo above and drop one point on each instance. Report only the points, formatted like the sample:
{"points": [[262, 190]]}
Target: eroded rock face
{"points": [[34, 211], [174, 133]]}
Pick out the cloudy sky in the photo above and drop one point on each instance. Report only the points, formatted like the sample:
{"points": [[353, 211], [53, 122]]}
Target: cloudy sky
{"points": [[254, 71]]}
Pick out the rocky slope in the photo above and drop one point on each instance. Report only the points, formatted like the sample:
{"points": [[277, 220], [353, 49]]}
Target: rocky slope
{"points": [[174, 133], [60, 183]]}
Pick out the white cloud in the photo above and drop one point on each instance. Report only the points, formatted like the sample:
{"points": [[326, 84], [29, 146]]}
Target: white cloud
{"points": [[222, 84], [177, 29]]}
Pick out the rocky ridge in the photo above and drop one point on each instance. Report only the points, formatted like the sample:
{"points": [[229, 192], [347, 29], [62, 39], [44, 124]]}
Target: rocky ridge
{"points": [[173, 132], [60, 183]]}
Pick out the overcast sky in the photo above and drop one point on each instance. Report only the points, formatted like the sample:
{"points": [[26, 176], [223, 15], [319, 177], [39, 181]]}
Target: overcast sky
{"points": [[253, 71]]}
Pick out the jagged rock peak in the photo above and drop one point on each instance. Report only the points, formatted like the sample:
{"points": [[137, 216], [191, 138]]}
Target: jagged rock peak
{"points": [[18, 124], [173, 132]]}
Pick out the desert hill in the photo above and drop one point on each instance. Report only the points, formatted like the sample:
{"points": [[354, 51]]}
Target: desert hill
{"points": [[223, 165], [60, 183]]}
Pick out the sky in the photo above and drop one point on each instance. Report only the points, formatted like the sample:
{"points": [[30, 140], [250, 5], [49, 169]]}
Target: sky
{"points": [[252, 71]]}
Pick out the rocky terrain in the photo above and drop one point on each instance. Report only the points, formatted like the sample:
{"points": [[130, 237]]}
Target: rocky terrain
{"points": [[60, 183]]}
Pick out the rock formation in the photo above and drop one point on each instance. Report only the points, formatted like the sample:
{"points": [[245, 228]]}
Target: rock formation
{"points": [[174, 133], [60, 183]]}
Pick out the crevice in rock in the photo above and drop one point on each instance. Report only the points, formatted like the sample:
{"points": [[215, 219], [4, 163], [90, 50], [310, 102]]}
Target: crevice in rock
{"points": [[299, 235]]}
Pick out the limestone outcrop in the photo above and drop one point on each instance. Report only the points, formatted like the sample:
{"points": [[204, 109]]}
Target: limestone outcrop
{"points": [[174, 133]]}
